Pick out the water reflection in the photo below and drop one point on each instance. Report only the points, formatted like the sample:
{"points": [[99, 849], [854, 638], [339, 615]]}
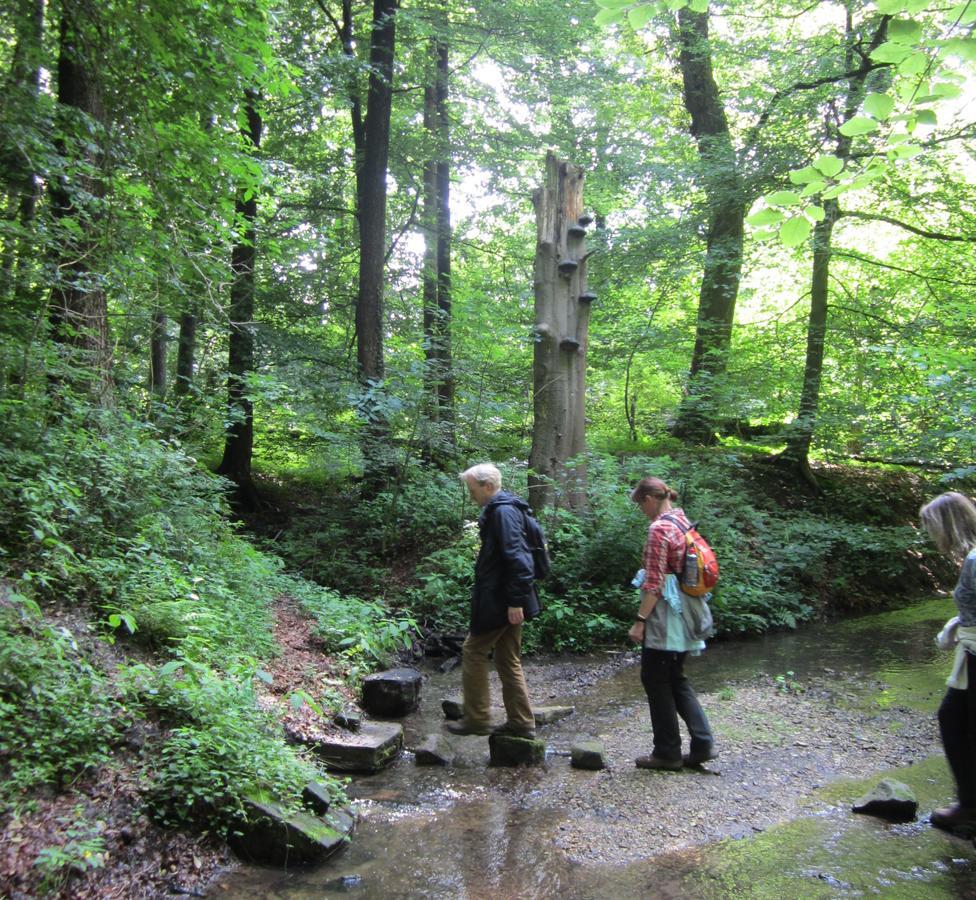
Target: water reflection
{"points": [[475, 832]]}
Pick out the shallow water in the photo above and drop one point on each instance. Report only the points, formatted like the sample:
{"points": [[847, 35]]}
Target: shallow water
{"points": [[470, 831]]}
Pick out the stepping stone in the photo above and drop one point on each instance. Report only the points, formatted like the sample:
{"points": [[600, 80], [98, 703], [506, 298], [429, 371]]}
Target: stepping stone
{"points": [[393, 693], [587, 755], [888, 799], [508, 750], [316, 798], [373, 747], [435, 750], [453, 709], [546, 715], [350, 719], [272, 837]]}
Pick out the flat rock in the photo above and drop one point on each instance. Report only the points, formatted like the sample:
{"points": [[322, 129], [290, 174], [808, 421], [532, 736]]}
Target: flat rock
{"points": [[508, 750], [393, 693], [587, 754], [272, 837], [888, 799], [546, 715], [435, 750], [373, 747]]}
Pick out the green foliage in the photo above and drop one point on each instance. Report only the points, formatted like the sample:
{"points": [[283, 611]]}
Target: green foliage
{"points": [[217, 747], [58, 715], [82, 849]]}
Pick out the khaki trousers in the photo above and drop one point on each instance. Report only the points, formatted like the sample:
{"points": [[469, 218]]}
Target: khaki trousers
{"points": [[506, 642]]}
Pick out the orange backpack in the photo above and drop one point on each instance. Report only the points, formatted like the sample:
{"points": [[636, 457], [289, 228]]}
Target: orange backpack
{"points": [[699, 574]]}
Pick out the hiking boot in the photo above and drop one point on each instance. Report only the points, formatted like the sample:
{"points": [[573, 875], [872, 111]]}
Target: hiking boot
{"points": [[697, 758], [655, 762], [952, 817], [465, 727], [510, 730]]}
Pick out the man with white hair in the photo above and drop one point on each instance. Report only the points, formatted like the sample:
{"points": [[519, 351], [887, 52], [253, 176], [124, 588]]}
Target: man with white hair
{"points": [[503, 598]]}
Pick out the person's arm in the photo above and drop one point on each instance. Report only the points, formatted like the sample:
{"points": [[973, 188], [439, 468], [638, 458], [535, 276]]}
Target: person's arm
{"points": [[518, 565], [655, 569]]}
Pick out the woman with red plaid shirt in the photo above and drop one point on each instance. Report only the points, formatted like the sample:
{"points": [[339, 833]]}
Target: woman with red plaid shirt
{"points": [[660, 630]]}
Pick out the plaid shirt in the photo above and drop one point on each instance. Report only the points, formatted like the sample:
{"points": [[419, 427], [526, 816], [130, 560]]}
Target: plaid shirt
{"points": [[663, 550]]}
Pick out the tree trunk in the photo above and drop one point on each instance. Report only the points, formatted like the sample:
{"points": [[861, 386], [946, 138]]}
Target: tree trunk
{"points": [[185, 355], [562, 310], [157, 355], [438, 370], [371, 193], [722, 184], [79, 311], [239, 443]]}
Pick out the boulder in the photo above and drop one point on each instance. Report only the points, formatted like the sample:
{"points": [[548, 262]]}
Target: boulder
{"points": [[350, 719], [373, 747], [316, 798], [393, 693], [509, 750], [587, 754], [435, 750], [888, 799], [272, 837]]}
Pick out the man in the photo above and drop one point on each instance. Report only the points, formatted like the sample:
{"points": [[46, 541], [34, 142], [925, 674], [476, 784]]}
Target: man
{"points": [[502, 599]]}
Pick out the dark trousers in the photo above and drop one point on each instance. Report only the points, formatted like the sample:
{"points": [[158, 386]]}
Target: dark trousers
{"points": [[957, 723], [669, 695]]}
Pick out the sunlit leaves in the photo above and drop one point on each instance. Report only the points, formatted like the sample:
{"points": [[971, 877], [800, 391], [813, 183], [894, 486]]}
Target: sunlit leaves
{"points": [[879, 106], [765, 217], [783, 198], [858, 125], [639, 16], [794, 231], [828, 165]]}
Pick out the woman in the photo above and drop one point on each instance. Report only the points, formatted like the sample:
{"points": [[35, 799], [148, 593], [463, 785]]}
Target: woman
{"points": [[950, 520], [660, 629]]}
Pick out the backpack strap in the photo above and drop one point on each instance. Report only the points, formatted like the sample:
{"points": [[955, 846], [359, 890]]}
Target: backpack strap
{"points": [[674, 521]]}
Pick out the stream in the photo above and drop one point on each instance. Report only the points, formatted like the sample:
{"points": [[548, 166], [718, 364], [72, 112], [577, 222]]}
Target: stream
{"points": [[806, 722]]}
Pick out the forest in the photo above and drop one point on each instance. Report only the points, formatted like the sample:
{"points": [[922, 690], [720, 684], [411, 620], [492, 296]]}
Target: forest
{"points": [[273, 274]]}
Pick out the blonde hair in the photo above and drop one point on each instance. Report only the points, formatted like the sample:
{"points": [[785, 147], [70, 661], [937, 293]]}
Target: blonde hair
{"points": [[950, 520], [652, 487], [483, 473]]}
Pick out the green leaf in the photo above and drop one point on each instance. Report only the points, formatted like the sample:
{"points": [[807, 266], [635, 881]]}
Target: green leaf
{"points": [[639, 16], [828, 165], [904, 31], [794, 231], [963, 48], [891, 7], [765, 217], [698, 6], [858, 125], [764, 234], [945, 90], [879, 106], [610, 17], [916, 64], [965, 13], [890, 52], [926, 117], [170, 667], [614, 4], [804, 175], [814, 187], [834, 191], [905, 151], [783, 198], [263, 676], [815, 212]]}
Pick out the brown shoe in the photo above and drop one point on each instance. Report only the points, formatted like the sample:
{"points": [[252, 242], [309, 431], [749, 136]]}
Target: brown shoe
{"points": [[952, 817], [465, 727], [696, 759], [655, 762], [512, 731]]}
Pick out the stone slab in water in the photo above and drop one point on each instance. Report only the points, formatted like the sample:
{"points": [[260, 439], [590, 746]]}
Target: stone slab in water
{"points": [[373, 747], [587, 755], [546, 715], [888, 799], [316, 798], [508, 750], [393, 693], [272, 837], [435, 750]]}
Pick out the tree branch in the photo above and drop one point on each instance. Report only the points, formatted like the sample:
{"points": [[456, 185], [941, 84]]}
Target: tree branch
{"points": [[914, 229]]}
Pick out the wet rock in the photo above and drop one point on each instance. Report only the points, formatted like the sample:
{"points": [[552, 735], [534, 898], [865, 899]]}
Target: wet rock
{"points": [[587, 755], [453, 709], [370, 749], [546, 715], [272, 837], [350, 719], [435, 750], [888, 799], [449, 664], [393, 693], [344, 883], [508, 750], [316, 798]]}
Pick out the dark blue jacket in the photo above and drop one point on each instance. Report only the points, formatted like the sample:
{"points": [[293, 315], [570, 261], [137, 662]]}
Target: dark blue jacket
{"points": [[504, 572]]}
